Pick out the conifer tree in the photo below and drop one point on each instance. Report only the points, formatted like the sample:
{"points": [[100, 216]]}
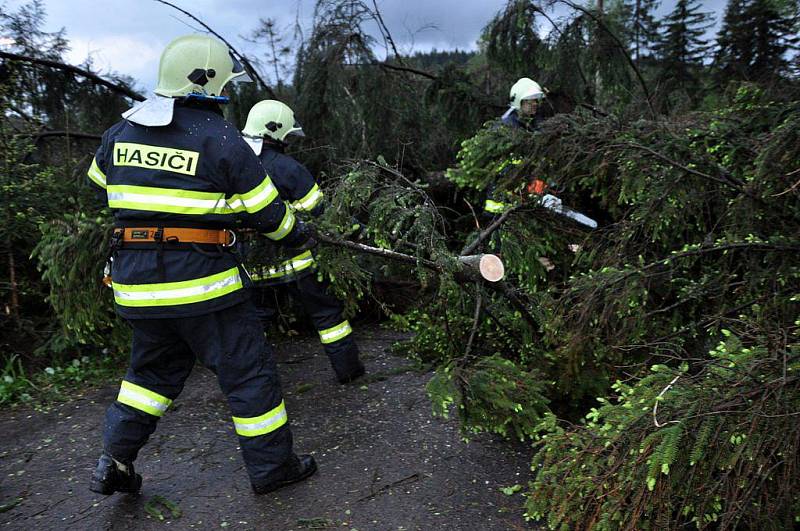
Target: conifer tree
{"points": [[642, 26], [735, 42], [755, 40], [513, 41], [774, 35], [681, 48]]}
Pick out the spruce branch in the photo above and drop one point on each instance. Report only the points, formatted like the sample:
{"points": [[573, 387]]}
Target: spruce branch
{"points": [[120, 88], [488, 231], [622, 49]]}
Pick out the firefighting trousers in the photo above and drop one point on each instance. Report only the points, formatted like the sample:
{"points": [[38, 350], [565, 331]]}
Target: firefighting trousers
{"points": [[325, 311], [230, 343]]}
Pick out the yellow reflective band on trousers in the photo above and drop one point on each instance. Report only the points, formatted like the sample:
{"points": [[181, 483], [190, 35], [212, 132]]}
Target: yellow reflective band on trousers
{"points": [[309, 201], [263, 424], [335, 333], [176, 293], [293, 265], [286, 226], [494, 207], [96, 174], [176, 201], [143, 399]]}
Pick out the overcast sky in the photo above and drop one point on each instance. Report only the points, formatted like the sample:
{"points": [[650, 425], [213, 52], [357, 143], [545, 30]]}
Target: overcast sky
{"points": [[127, 36]]}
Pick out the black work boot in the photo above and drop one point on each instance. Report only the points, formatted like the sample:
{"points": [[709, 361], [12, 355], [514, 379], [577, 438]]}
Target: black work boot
{"points": [[296, 468], [346, 364], [354, 374], [111, 476]]}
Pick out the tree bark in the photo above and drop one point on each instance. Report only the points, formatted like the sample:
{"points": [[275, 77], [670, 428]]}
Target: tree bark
{"points": [[12, 280], [484, 266], [72, 134]]}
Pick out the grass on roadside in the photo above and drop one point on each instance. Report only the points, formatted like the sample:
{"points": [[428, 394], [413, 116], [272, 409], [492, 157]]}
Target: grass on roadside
{"points": [[58, 382]]}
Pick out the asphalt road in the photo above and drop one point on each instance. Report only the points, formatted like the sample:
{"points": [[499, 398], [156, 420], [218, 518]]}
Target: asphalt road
{"points": [[385, 462]]}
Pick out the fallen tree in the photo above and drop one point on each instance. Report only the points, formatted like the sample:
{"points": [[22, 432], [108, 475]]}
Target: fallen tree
{"points": [[91, 76], [682, 306], [472, 267]]}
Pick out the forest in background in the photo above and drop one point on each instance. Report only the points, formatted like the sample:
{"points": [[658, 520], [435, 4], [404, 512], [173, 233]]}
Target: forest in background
{"points": [[652, 363]]}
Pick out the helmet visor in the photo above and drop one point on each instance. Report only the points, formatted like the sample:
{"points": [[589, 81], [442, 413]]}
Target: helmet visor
{"points": [[296, 130], [239, 72], [534, 96]]}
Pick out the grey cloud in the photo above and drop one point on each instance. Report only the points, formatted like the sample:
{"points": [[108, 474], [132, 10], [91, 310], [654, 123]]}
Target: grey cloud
{"points": [[447, 24]]}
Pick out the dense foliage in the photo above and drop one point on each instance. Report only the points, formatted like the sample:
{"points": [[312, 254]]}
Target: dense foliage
{"points": [[48, 133], [696, 277], [652, 362]]}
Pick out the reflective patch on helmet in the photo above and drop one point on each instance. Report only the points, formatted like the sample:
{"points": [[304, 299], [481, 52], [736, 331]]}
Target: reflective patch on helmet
{"points": [[198, 77]]}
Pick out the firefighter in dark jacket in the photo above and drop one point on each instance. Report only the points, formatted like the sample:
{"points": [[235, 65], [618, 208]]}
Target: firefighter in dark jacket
{"points": [[525, 97], [177, 177], [269, 123]]}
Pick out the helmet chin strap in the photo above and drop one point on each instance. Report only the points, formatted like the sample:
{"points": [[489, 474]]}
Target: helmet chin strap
{"points": [[280, 144]]}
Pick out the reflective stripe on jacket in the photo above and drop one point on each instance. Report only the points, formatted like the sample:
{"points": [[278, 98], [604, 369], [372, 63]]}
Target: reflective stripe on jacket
{"points": [[196, 171], [298, 188]]}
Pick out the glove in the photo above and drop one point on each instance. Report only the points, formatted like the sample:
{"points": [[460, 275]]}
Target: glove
{"points": [[309, 244], [303, 239]]}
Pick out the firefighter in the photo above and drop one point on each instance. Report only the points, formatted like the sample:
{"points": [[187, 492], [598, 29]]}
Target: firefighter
{"points": [[525, 97], [177, 177], [269, 125]]}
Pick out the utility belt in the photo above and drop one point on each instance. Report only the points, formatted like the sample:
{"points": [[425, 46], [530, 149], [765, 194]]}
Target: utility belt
{"points": [[171, 237], [209, 242]]}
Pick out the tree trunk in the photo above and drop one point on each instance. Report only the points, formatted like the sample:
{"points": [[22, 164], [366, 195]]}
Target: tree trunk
{"points": [[486, 266], [12, 279]]}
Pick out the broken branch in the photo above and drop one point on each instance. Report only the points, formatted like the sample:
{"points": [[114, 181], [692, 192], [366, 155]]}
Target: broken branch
{"points": [[488, 231], [116, 87]]}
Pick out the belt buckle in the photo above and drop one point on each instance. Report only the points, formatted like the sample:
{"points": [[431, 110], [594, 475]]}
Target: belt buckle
{"points": [[233, 241]]}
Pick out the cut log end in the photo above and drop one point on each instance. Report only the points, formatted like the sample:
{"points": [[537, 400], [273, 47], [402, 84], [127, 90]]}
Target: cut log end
{"points": [[491, 268]]}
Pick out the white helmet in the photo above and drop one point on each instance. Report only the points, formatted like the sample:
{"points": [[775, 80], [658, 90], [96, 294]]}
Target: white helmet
{"points": [[271, 118], [196, 64], [524, 89]]}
